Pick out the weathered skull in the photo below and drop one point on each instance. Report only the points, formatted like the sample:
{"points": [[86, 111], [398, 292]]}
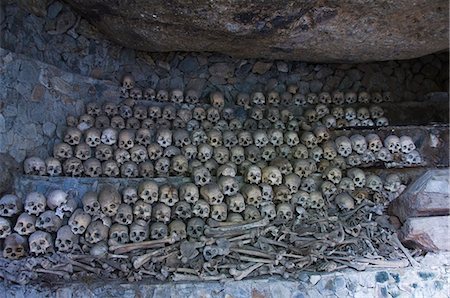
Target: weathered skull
{"points": [[309, 139], [168, 194], [183, 210], [251, 194], [86, 122], [344, 201], [139, 231], [124, 214], [344, 146], [149, 94], [299, 99], [109, 199], [126, 139], [129, 170], [158, 230], [251, 213], [253, 175], [93, 109], [268, 153], [79, 221], [358, 177], [118, 234], [83, 151], [328, 189], [334, 174], [66, 240], [212, 194], [258, 98], [407, 144], [104, 152], [90, 203], [117, 122], [48, 221], [229, 186], [62, 151], [110, 168], [128, 81], [252, 154], [201, 175], [268, 210], [205, 152], [34, 166], [392, 183], [162, 96], [221, 155], [412, 158], [363, 97], [374, 182], [243, 100], [189, 192], [384, 155], [382, 121], [282, 193], [195, 227], [138, 154], [346, 184], [93, 137], [15, 246], [177, 229], [312, 98], [201, 208], [96, 232], [219, 212], [359, 144], [161, 212], [285, 212], [292, 181], [271, 175], [236, 203], [25, 224], [191, 96], [142, 210], [5, 227], [92, 167], [374, 142], [316, 200], [217, 100]]}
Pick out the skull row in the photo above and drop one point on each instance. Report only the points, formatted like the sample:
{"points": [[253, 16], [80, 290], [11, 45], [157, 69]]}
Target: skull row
{"points": [[290, 98]]}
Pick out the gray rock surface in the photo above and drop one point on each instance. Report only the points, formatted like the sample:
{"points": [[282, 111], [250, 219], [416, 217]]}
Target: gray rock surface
{"points": [[317, 31]]}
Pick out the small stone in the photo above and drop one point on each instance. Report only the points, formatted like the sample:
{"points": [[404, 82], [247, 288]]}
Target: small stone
{"points": [[323, 73], [37, 93], [10, 111], [2, 124], [261, 67], [164, 65], [54, 9], [49, 129], [316, 86], [314, 279], [282, 66], [303, 87], [354, 74], [64, 22], [189, 64], [222, 70], [382, 277], [430, 71]]}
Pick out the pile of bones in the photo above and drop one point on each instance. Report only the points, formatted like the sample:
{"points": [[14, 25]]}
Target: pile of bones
{"points": [[270, 190]]}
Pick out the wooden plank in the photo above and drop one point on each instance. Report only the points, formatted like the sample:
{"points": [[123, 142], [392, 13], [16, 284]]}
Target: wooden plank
{"points": [[427, 196], [427, 233]]}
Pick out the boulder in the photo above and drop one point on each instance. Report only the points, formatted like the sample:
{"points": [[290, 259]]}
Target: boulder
{"points": [[315, 31]]}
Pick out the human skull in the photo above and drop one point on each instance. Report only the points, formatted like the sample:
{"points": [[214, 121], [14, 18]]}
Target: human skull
{"points": [[118, 234], [124, 214], [168, 194], [62, 151], [90, 203], [158, 230], [66, 240], [358, 177], [201, 175], [104, 152], [344, 201], [195, 227], [333, 174], [110, 168], [117, 122], [221, 155], [143, 137], [102, 122], [79, 221], [285, 212], [219, 212], [268, 210], [92, 167], [34, 166], [251, 213], [25, 224], [407, 144], [392, 182], [236, 203], [48, 221], [83, 151], [212, 193], [251, 194], [292, 181], [161, 212], [138, 154], [93, 137], [282, 193], [412, 158], [374, 142], [15, 247], [109, 199], [344, 146], [176, 96], [191, 96], [126, 139], [374, 182], [309, 139], [183, 210], [86, 122], [162, 96], [229, 186], [139, 231], [201, 208], [271, 175], [142, 210], [258, 98], [217, 100]]}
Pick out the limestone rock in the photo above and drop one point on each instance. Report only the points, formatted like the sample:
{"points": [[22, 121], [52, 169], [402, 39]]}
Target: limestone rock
{"points": [[316, 31]]}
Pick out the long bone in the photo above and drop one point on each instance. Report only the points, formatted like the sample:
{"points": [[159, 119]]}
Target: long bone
{"points": [[125, 248], [238, 227]]}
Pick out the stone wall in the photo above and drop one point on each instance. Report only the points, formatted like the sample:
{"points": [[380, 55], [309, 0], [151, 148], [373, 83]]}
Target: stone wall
{"points": [[50, 68]]}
